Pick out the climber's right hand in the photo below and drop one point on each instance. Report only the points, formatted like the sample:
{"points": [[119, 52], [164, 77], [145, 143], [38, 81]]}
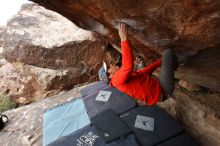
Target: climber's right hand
{"points": [[122, 31]]}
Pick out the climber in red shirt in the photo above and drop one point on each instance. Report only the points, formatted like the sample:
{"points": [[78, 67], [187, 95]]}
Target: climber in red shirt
{"points": [[139, 84]]}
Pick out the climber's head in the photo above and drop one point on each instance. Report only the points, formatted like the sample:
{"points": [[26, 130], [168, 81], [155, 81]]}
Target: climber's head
{"points": [[112, 70], [107, 72]]}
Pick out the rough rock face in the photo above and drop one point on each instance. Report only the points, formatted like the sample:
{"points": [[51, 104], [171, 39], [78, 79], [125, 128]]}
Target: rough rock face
{"points": [[26, 83], [189, 86], [198, 112], [203, 69], [42, 38], [191, 25], [54, 54], [2, 59], [188, 26], [1, 30]]}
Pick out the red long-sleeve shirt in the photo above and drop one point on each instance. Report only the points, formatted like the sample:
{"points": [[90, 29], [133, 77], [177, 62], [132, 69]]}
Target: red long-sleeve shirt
{"points": [[137, 84]]}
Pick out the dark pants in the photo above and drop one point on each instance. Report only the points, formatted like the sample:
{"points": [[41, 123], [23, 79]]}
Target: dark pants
{"points": [[168, 66]]}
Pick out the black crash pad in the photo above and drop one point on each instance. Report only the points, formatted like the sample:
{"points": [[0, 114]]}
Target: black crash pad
{"points": [[109, 126], [88, 136], [93, 88], [118, 102], [183, 139], [151, 124]]}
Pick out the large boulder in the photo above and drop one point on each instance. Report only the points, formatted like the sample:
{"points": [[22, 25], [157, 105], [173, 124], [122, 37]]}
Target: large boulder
{"points": [[52, 53], [26, 83], [43, 38], [188, 26]]}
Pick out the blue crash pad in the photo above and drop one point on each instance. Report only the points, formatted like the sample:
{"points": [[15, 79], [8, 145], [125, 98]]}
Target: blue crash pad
{"points": [[64, 119]]}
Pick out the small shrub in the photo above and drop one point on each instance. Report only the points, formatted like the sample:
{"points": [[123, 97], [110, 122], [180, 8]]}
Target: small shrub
{"points": [[5, 102]]}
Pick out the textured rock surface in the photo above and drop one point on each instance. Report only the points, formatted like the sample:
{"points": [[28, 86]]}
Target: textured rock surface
{"points": [[40, 37], [188, 26], [203, 69], [3, 62], [60, 54], [189, 86], [1, 30], [2, 59], [191, 25], [26, 83], [198, 112]]}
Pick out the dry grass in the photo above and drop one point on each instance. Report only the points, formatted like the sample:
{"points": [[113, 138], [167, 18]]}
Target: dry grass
{"points": [[5, 102]]}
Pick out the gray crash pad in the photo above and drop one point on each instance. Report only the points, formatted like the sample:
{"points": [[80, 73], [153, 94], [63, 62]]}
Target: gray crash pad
{"points": [[117, 101], [151, 124]]}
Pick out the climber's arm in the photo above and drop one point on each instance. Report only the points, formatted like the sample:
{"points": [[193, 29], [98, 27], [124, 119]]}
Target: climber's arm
{"points": [[127, 58]]}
